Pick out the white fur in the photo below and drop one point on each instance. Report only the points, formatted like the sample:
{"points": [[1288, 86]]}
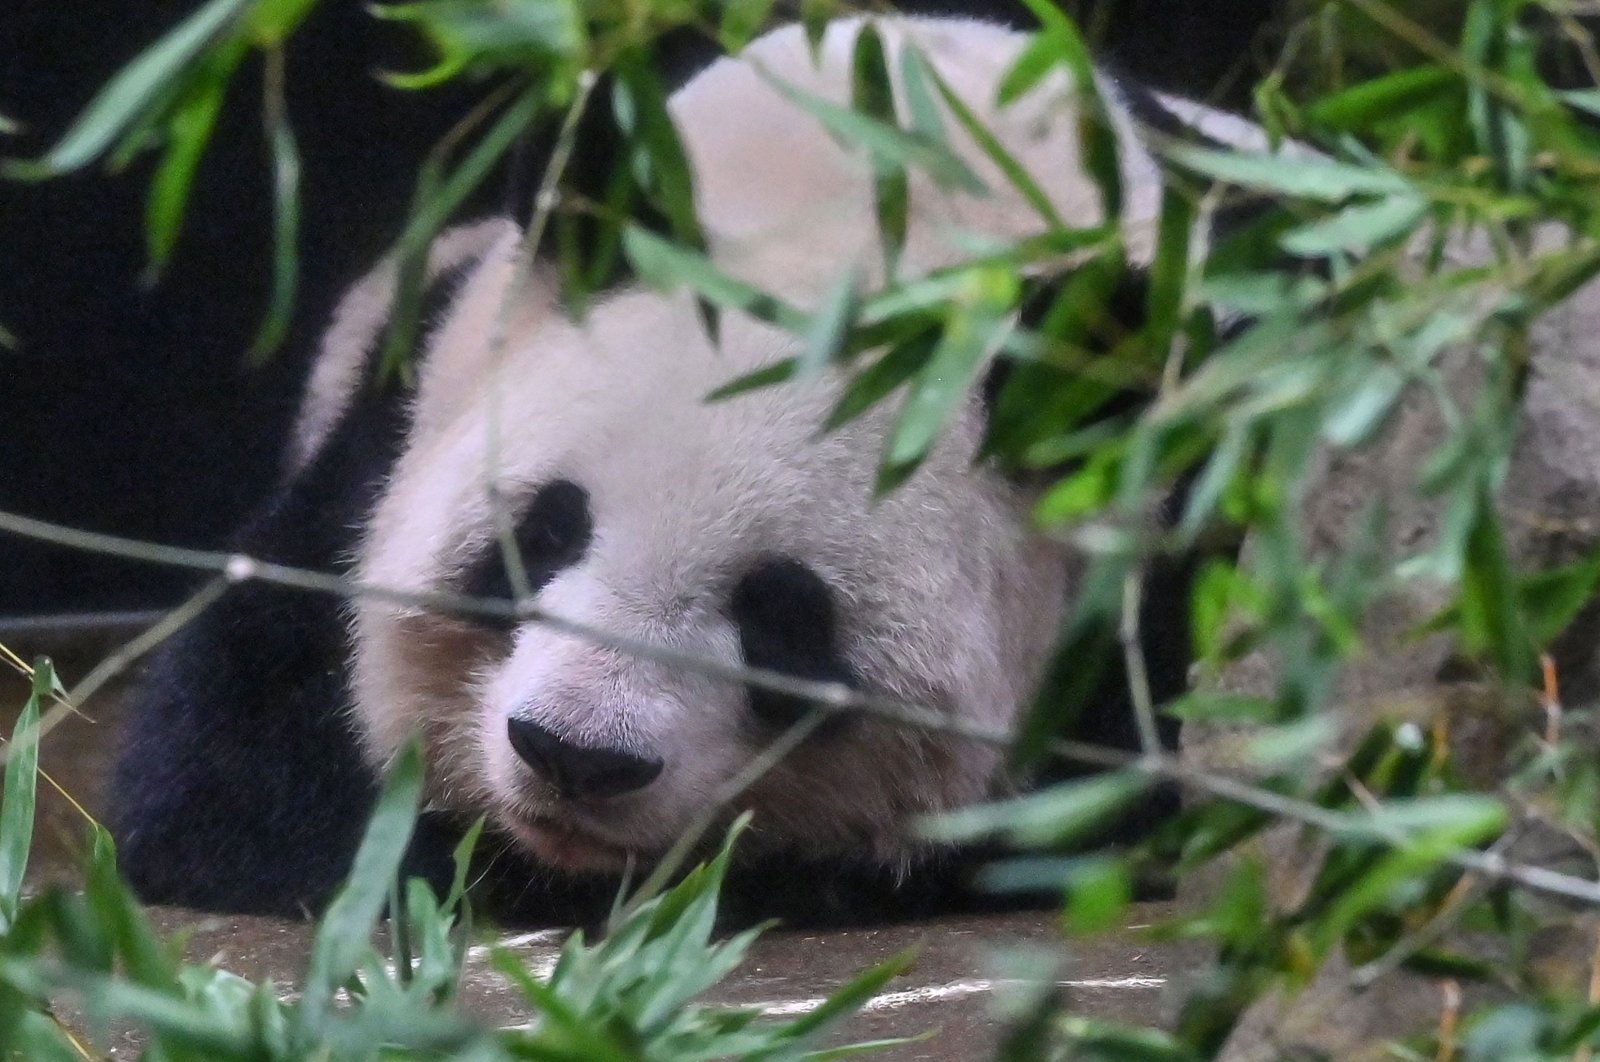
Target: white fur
{"points": [[948, 596]]}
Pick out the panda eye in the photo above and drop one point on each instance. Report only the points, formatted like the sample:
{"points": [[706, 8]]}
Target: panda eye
{"points": [[553, 533], [785, 615]]}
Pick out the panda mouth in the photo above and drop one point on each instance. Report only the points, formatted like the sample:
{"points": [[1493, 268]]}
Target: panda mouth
{"points": [[567, 846]]}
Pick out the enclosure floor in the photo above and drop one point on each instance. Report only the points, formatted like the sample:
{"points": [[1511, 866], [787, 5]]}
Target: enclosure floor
{"points": [[956, 990]]}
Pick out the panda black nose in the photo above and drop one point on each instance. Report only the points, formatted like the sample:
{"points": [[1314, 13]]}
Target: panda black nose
{"points": [[577, 771]]}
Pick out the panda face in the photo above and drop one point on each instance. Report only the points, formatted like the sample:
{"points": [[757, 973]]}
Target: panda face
{"points": [[727, 531]]}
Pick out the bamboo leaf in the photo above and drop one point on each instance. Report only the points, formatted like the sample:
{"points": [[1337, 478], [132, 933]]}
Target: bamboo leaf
{"points": [[125, 98], [1007, 163], [188, 131], [285, 212], [1319, 179], [670, 267], [885, 144], [830, 326], [872, 94], [21, 779], [1356, 228], [1049, 816], [978, 323], [344, 937]]}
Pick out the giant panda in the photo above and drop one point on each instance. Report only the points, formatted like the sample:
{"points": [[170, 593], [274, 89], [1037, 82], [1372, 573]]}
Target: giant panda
{"points": [[731, 532]]}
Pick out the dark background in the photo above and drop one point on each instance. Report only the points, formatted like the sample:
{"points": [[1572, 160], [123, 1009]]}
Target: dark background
{"points": [[132, 409]]}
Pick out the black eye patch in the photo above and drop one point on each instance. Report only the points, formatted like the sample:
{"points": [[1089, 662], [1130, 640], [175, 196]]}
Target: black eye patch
{"points": [[552, 533], [785, 615]]}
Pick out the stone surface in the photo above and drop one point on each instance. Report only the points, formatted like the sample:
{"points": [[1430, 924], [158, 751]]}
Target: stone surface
{"points": [[1551, 506]]}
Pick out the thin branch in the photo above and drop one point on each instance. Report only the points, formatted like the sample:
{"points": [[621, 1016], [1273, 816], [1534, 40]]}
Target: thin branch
{"points": [[1144, 708], [125, 655], [545, 199]]}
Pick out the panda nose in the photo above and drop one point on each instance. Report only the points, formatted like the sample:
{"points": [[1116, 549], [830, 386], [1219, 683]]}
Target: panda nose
{"points": [[577, 771]]}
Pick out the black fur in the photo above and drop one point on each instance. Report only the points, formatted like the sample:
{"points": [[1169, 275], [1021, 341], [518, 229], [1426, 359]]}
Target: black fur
{"points": [[238, 784], [552, 534], [784, 612]]}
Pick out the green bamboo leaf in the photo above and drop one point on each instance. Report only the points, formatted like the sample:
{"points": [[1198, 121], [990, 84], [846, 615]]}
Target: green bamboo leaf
{"points": [[437, 199], [1296, 175], [766, 376], [1491, 613], [865, 1047], [1059, 43], [1436, 823], [343, 939], [144, 959], [1013, 170], [1551, 600], [1203, 706], [660, 163], [125, 98], [272, 22], [1042, 54], [741, 21], [830, 326], [1365, 104], [1098, 891], [480, 35], [1362, 409], [21, 779], [1585, 100], [1169, 270], [885, 144], [1058, 814], [564, 1031], [872, 94], [1356, 228], [462, 858], [878, 380], [667, 266], [38, 1038], [1083, 493], [978, 322], [851, 996], [285, 213], [188, 130], [814, 18], [1218, 473], [916, 78]]}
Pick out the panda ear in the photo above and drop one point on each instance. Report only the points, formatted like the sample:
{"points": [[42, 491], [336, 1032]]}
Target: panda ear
{"points": [[350, 351], [460, 347], [1025, 401]]}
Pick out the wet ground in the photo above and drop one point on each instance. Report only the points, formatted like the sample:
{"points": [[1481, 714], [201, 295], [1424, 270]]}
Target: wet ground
{"points": [[956, 988]]}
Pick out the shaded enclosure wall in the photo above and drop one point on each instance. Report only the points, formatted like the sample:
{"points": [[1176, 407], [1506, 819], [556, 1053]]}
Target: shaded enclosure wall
{"points": [[129, 408]]}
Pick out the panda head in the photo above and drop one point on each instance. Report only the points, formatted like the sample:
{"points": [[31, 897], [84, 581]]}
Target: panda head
{"points": [[730, 531]]}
